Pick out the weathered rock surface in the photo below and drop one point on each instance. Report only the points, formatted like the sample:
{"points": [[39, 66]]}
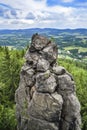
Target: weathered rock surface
{"points": [[46, 97], [42, 65], [45, 82]]}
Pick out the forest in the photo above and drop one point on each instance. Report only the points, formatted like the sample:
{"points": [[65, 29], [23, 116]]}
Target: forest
{"points": [[11, 62]]}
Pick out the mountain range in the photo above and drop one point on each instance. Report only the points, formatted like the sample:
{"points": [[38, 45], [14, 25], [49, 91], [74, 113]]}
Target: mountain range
{"points": [[48, 31]]}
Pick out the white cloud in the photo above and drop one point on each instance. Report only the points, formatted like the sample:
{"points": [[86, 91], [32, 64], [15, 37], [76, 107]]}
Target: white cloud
{"points": [[36, 13], [26, 4]]}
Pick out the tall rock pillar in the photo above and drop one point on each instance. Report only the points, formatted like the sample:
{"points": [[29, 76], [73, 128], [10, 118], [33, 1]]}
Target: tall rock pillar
{"points": [[46, 97]]}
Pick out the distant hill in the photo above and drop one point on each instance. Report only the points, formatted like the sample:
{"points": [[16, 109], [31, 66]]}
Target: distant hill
{"points": [[72, 43], [49, 31]]}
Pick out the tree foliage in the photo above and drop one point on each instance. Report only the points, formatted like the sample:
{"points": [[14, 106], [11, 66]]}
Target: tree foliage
{"points": [[10, 65]]}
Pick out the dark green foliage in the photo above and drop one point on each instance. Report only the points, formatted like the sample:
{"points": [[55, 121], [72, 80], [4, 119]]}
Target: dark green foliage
{"points": [[10, 68], [74, 51], [7, 118], [10, 65]]}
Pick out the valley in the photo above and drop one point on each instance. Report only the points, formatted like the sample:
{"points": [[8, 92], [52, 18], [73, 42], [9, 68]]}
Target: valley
{"points": [[72, 43]]}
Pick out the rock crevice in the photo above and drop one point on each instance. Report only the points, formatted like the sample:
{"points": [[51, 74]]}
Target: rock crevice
{"points": [[46, 97]]}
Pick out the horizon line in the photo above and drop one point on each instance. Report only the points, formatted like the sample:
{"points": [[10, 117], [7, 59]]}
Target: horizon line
{"points": [[44, 28]]}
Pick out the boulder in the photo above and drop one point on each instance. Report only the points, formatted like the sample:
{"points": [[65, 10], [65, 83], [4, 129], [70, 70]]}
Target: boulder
{"points": [[44, 84], [39, 42], [28, 77], [70, 115], [46, 107], [32, 58], [65, 85], [50, 53], [43, 65], [58, 70]]}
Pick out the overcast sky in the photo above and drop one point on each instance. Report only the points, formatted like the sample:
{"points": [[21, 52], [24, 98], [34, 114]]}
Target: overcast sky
{"points": [[61, 14]]}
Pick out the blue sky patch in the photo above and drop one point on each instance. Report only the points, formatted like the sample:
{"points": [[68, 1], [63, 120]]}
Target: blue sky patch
{"points": [[73, 3]]}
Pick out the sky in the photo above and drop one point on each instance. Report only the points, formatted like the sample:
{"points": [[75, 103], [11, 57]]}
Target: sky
{"points": [[61, 14]]}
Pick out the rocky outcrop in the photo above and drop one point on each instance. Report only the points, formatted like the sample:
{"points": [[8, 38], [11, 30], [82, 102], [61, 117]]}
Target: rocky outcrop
{"points": [[46, 97]]}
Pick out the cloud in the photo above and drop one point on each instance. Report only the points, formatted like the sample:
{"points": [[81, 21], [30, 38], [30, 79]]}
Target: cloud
{"points": [[7, 12], [30, 15], [36, 13]]}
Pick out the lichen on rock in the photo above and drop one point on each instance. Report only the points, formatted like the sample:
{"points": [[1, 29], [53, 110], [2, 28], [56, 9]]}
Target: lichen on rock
{"points": [[46, 97]]}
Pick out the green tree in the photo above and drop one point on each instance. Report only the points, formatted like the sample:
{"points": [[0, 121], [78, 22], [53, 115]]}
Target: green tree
{"points": [[10, 65]]}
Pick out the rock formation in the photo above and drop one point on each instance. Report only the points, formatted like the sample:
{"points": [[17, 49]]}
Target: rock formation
{"points": [[46, 97]]}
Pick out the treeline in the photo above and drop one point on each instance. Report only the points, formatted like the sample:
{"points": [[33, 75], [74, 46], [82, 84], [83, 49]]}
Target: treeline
{"points": [[10, 66]]}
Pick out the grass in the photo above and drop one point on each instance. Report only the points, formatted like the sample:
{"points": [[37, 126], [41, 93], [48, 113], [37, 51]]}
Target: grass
{"points": [[80, 49]]}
